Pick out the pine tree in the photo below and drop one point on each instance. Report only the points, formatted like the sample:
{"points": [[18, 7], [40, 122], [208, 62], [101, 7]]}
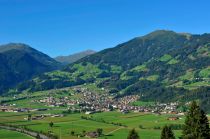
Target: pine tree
{"points": [[133, 135], [203, 126], [29, 117], [196, 123], [51, 124], [99, 131], [191, 120], [167, 133]]}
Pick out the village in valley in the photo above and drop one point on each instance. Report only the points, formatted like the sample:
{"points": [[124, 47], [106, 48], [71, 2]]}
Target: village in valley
{"points": [[89, 102], [76, 109]]}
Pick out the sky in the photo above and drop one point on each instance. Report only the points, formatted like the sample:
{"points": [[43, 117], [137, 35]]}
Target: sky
{"points": [[63, 27]]}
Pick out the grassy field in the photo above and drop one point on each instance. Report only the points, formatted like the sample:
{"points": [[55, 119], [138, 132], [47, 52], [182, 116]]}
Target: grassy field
{"points": [[7, 134], [73, 122]]}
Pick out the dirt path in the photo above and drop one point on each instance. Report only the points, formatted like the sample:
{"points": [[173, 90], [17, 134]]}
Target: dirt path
{"points": [[114, 130]]}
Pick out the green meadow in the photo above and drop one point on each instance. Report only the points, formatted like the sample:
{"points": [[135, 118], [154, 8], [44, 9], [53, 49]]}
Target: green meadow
{"points": [[6, 134], [73, 122]]}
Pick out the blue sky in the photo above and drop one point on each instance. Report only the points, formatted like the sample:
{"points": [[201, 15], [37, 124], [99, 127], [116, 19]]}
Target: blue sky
{"points": [[62, 27]]}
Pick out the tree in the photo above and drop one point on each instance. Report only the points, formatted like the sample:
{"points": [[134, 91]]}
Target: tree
{"points": [[51, 124], [196, 123], [203, 127], [99, 131], [72, 133], [133, 135], [29, 117], [167, 133]]}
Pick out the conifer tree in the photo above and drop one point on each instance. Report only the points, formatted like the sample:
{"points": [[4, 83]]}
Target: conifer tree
{"points": [[133, 135], [196, 123], [167, 133], [99, 131], [203, 126]]}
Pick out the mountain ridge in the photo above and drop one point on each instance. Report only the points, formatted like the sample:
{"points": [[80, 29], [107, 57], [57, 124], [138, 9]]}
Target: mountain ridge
{"points": [[74, 57], [160, 66], [20, 62], [132, 47]]}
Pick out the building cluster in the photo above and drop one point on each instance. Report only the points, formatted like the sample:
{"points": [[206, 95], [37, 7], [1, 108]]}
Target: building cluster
{"points": [[91, 102], [42, 116], [6, 108], [51, 101]]}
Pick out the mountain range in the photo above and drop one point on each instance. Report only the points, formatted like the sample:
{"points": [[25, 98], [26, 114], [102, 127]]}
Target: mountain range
{"points": [[160, 66]]}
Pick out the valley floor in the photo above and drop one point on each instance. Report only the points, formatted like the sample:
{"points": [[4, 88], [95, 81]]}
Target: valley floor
{"points": [[54, 105], [115, 125]]}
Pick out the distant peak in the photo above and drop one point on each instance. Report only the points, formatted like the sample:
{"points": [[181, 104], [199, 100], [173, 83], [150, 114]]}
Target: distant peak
{"points": [[14, 46], [74, 57], [160, 32], [90, 51], [163, 32]]}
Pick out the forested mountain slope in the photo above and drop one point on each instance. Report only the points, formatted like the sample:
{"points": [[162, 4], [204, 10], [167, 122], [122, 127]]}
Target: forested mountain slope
{"points": [[161, 66], [19, 62]]}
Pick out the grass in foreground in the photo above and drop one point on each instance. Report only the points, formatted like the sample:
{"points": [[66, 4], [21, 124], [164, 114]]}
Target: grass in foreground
{"points": [[7, 134]]}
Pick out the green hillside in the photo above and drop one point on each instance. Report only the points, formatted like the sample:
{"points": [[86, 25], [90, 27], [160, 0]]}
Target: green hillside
{"points": [[161, 66], [20, 62]]}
